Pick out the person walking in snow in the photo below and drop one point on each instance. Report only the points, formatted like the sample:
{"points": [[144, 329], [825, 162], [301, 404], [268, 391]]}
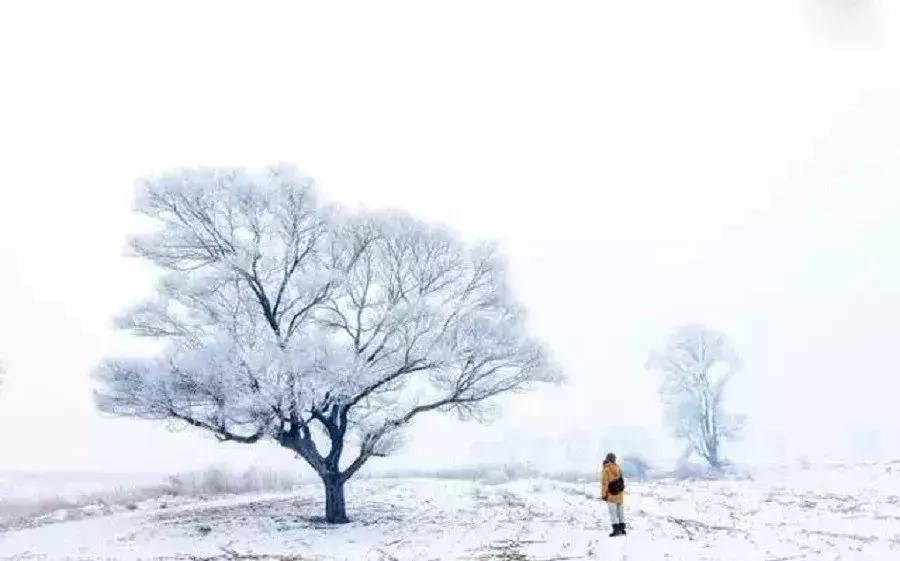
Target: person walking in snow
{"points": [[612, 490]]}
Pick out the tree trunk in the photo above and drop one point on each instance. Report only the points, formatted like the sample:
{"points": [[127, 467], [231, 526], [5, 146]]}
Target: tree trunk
{"points": [[335, 506]]}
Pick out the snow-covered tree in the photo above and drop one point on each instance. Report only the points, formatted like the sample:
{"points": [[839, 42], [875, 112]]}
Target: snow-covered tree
{"points": [[697, 363], [325, 331]]}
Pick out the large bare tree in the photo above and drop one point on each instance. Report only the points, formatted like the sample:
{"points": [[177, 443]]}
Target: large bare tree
{"points": [[326, 331], [697, 363]]}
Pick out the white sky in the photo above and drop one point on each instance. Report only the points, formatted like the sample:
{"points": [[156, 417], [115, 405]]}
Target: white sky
{"points": [[643, 164]]}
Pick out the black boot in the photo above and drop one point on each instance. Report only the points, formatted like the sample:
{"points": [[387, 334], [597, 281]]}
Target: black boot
{"points": [[615, 531], [622, 529]]}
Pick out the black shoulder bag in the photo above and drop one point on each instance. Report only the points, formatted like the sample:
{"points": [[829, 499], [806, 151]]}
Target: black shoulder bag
{"points": [[616, 486]]}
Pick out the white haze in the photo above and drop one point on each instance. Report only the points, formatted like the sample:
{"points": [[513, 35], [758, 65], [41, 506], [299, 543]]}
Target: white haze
{"points": [[643, 165]]}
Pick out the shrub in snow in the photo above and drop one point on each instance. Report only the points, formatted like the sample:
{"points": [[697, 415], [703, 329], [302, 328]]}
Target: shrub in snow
{"points": [[495, 477], [219, 481], [635, 467]]}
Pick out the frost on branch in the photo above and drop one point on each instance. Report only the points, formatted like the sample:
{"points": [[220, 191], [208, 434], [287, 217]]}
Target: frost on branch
{"points": [[311, 326]]}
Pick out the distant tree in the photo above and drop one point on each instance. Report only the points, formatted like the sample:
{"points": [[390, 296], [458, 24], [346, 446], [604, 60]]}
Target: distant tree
{"points": [[635, 467], [697, 363], [323, 331]]}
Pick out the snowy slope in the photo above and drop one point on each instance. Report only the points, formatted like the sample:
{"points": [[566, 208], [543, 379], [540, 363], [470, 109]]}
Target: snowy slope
{"points": [[785, 515]]}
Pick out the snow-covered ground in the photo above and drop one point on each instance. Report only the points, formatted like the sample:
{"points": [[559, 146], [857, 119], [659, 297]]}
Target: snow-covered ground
{"points": [[824, 513]]}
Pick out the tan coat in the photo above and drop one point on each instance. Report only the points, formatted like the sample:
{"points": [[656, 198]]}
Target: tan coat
{"points": [[610, 472]]}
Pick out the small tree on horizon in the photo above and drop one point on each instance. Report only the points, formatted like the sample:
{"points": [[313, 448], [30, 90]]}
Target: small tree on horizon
{"points": [[697, 363], [324, 331]]}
